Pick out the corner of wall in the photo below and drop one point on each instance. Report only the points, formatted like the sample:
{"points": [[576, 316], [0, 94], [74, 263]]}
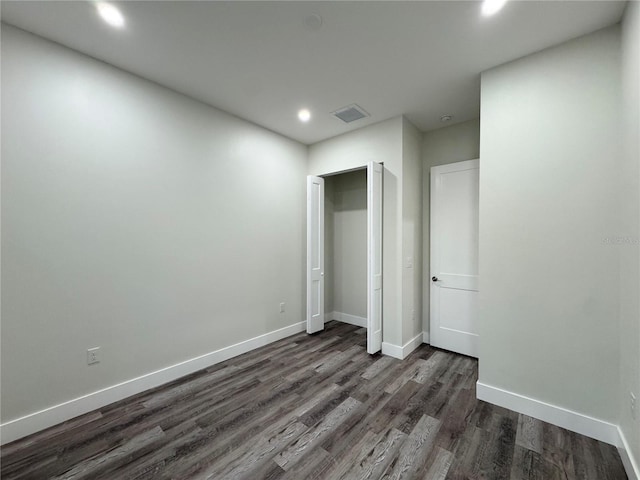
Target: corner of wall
{"points": [[48, 417], [412, 221], [629, 256], [529, 348], [629, 461]]}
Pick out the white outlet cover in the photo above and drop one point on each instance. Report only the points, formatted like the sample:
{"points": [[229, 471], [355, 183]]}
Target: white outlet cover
{"points": [[93, 355]]}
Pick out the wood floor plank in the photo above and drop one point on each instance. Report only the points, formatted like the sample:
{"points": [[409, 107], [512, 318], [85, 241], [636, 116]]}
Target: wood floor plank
{"points": [[411, 370], [313, 407], [97, 465], [315, 435], [556, 449], [610, 460], [394, 410], [529, 433], [321, 343], [33, 443], [346, 381], [427, 368], [182, 390], [312, 466], [379, 366], [440, 466], [469, 459], [218, 446], [415, 450], [31, 469], [335, 361], [456, 421], [375, 461], [530, 465], [262, 453], [151, 464], [345, 459]]}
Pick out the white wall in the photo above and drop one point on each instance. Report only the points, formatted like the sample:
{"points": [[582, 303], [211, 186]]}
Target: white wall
{"points": [[630, 230], [397, 144], [382, 143], [454, 143], [134, 219], [329, 235], [411, 232], [349, 262], [549, 283]]}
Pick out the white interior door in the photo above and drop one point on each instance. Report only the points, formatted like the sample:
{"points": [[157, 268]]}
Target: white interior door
{"points": [[315, 254], [374, 261], [454, 257]]}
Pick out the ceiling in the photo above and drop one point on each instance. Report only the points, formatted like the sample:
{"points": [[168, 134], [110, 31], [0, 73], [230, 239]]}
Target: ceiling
{"points": [[261, 62]]}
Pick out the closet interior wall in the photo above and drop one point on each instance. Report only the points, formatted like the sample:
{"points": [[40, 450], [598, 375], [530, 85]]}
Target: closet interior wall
{"points": [[346, 247]]}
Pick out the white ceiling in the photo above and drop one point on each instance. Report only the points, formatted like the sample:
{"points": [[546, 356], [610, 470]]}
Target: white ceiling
{"points": [[259, 61]]}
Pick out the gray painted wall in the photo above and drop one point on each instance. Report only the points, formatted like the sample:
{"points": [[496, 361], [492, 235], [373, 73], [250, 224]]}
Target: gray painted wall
{"points": [[382, 143], [549, 282], [134, 219], [396, 143], [130, 215], [349, 243], [411, 232], [630, 229], [329, 236]]}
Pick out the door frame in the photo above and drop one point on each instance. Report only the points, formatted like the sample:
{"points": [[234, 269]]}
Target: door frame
{"points": [[469, 341]]}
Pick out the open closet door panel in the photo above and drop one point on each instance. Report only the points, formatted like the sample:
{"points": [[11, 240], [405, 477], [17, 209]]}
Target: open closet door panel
{"points": [[374, 274], [315, 254]]}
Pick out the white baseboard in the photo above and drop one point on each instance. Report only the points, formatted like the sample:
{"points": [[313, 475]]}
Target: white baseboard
{"points": [[34, 422], [562, 417], [426, 338], [402, 352], [350, 319], [411, 345], [631, 465], [392, 350]]}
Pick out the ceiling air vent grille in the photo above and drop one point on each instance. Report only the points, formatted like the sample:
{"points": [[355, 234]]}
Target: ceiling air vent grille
{"points": [[350, 114]]}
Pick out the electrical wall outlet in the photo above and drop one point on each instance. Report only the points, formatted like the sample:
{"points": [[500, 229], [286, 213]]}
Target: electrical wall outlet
{"points": [[633, 405], [282, 307], [93, 355]]}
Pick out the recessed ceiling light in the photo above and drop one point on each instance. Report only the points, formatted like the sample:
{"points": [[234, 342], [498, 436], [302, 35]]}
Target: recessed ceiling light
{"points": [[304, 115], [110, 14], [489, 7], [446, 118]]}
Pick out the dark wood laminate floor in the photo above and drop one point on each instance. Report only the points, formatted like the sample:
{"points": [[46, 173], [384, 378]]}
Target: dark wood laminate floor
{"points": [[313, 407]]}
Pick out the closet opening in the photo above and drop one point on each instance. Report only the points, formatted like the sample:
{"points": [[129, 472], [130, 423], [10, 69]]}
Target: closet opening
{"points": [[345, 248], [344, 251]]}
